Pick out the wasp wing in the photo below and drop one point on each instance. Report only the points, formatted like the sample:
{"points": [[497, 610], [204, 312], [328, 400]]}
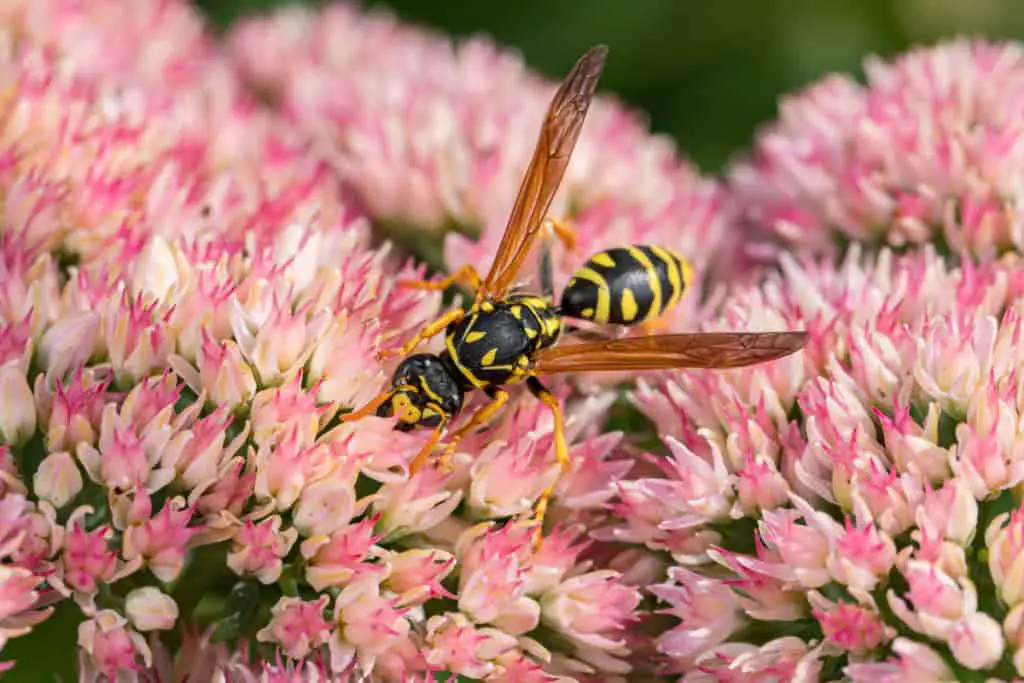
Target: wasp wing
{"points": [[698, 350], [550, 158]]}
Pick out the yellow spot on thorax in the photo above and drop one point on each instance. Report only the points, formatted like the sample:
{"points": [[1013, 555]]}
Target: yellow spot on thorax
{"points": [[488, 358], [475, 336]]}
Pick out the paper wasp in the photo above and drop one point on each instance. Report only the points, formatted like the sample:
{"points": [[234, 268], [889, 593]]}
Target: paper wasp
{"points": [[506, 337]]}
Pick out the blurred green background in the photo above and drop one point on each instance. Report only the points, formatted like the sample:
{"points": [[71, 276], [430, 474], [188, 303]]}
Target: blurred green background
{"points": [[708, 73]]}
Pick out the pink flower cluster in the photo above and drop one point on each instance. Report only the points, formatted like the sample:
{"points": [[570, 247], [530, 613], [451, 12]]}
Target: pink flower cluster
{"points": [[856, 499], [188, 300], [436, 137], [929, 150]]}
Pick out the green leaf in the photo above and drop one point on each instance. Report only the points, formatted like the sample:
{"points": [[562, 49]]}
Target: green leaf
{"points": [[50, 651]]}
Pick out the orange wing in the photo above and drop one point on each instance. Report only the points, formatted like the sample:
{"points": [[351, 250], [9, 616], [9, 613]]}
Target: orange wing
{"points": [[550, 158], [701, 350]]}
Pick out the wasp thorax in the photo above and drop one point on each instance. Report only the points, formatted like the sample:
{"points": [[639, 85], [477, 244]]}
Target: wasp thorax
{"points": [[423, 393]]}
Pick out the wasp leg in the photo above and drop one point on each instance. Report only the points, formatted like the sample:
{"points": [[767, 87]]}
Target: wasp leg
{"points": [[370, 408], [655, 326], [547, 271], [565, 234], [465, 275], [432, 330], [428, 447], [498, 398], [561, 450]]}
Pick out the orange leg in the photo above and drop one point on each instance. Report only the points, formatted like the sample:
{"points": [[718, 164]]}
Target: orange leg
{"points": [[424, 454], [655, 326], [370, 408], [466, 275], [498, 398], [565, 234], [433, 329], [561, 449]]}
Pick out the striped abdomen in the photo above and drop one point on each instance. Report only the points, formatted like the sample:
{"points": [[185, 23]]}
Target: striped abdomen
{"points": [[626, 285]]}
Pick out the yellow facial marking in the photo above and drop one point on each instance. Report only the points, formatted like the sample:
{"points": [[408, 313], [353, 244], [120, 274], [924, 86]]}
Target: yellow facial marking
{"points": [[628, 304], [488, 358], [603, 259], [404, 409], [473, 337]]}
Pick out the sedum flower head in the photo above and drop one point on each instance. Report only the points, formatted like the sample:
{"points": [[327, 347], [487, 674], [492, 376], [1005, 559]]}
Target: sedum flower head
{"points": [[856, 500], [189, 299], [928, 150], [435, 137]]}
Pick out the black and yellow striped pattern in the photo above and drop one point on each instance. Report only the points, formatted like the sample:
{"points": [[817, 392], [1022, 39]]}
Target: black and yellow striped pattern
{"points": [[494, 343], [627, 285]]}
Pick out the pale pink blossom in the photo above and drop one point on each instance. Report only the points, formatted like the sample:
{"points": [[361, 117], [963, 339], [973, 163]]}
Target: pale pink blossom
{"points": [[162, 540], [58, 479], [802, 549], [951, 511], [492, 578], [935, 602], [858, 629], [129, 453], [555, 557], [85, 561], [415, 505], [456, 645], [108, 645], [297, 626], [149, 609], [258, 547], [593, 611], [17, 407], [1012, 629], [416, 575], [326, 505], [70, 414], [285, 411], [506, 479], [977, 641], [345, 554], [367, 624], [786, 658], [706, 608], [1005, 540], [221, 373], [912, 661]]}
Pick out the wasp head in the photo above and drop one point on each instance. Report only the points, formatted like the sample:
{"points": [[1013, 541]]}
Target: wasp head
{"points": [[423, 393]]}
